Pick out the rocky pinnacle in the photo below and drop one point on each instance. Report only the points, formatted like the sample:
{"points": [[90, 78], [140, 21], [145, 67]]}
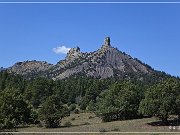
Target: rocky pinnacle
{"points": [[107, 41], [103, 63]]}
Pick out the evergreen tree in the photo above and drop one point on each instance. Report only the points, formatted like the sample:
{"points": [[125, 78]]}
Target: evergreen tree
{"points": [[14, 110], [162, 99], [53, 111], [121, 101]]}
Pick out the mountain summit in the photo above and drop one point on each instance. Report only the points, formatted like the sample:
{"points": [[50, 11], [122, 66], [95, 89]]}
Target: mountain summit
{"points": [[104, 63]]}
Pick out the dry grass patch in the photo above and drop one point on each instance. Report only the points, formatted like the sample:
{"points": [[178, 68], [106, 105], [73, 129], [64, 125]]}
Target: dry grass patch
{"points": [[82, 119], [88, 122]]}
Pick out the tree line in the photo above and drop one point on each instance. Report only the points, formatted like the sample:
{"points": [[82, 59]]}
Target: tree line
{"points": [[30, 101]]}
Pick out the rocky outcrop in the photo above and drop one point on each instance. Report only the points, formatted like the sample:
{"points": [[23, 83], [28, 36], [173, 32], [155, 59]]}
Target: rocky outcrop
{"points": [[29, 67], [103, 63]]}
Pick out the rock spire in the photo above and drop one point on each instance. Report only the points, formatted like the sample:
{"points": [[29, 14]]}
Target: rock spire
{"points": [[107, 41]]}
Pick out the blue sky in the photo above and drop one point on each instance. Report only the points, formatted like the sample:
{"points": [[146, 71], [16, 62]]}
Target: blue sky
{"points": [[149, 32]]}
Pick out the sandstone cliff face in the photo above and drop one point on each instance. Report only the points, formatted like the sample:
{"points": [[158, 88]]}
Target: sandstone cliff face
{"points": [[103, 63]]}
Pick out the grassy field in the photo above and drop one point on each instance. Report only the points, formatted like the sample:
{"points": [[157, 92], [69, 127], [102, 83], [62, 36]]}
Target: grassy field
{"points": [[87, 122]]}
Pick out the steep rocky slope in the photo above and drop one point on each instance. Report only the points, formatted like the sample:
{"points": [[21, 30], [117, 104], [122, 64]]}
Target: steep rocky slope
{"points": [[103, 63]]}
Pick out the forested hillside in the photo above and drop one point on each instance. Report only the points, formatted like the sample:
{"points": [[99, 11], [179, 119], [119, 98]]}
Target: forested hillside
{"points": [[31, 101]]}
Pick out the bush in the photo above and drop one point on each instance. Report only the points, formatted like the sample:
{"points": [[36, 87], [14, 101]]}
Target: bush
{"points": [[90, 117], [83, 106], [72, 107], [68, 124], [92, 106], [72, 119], [69, 103], [40, 124], [102, 130], [34, 118], [86, 123], [76, 111]]}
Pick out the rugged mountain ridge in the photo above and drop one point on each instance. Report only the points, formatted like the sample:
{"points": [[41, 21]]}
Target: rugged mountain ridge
{"points": [[30, 68], [104, 63]]}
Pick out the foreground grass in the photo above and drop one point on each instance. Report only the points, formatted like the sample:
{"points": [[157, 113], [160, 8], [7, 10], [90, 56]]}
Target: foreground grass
{"points": [[87, 122]]}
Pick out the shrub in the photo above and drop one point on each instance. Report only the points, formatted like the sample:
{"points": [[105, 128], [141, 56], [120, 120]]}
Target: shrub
{"points": [[90, 117], [68, 124], [69, 103], [72, 107], [40, 124], [76, 111], [72, 119], [102, 130], [86, 123], [83, 106]]}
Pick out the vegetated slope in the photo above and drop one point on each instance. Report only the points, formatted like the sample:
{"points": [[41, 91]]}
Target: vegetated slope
{"points": [[104, 63]]}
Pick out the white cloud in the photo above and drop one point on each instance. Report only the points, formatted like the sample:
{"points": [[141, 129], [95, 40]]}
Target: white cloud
{"points": [[61, 50]]}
